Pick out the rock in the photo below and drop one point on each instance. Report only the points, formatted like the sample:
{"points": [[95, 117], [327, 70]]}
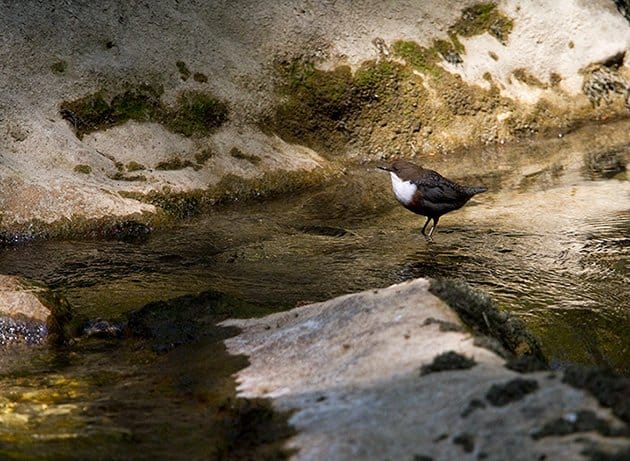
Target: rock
{"points": [[176, 322], [31, 314], [350, 371]]}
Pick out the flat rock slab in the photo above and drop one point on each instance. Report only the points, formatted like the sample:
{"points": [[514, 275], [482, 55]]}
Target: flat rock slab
{"points": [[360, 375]]}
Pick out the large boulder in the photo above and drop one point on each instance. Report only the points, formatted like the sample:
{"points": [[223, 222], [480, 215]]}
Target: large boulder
{"points": [[395, 374]]}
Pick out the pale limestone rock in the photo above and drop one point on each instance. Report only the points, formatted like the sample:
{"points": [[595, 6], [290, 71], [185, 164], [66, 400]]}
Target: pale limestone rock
{"points": [[349, 369]]}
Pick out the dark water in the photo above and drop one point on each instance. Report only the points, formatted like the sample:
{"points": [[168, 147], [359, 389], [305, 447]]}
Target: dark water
{"points": [[550, 242]]}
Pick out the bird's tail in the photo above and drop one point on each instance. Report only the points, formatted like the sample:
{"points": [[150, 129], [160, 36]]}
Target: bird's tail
{"points": [[470, 191]]}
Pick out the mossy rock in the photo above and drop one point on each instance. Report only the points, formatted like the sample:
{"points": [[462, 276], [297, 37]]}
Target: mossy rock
{"points": [[479, 313], [195, 113], [232, 188], [89, 113], [320, 107], [33, 314]]}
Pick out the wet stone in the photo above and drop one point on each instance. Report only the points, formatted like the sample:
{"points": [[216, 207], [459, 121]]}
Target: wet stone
{"points": [[102, 329], [179, 321], [26, 331], [31, 314], [126, 231]]}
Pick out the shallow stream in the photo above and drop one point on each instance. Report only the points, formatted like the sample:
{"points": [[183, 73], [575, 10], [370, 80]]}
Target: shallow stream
{"points": [[549, 242]]}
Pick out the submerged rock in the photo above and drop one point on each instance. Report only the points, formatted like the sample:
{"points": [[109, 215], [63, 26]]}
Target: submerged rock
{"points": [[349, 367], [31, 314], [179, 321]]}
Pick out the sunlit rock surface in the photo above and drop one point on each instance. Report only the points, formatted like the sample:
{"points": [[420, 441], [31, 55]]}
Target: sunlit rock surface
{"points": [[393, 374]]}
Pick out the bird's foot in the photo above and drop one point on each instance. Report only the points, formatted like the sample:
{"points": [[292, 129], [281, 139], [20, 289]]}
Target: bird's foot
{"points": [[428, 238]]}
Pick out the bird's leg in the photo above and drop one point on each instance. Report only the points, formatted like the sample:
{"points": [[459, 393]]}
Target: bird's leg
{"points": [[424, 228], [435, 222]]}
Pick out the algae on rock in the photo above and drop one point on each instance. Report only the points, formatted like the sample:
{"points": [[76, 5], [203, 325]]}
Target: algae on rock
{"points": [[196, 113]]}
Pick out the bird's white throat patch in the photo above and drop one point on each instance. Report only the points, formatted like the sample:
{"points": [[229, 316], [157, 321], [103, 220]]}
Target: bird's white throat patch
{"points": [[403, 190]]}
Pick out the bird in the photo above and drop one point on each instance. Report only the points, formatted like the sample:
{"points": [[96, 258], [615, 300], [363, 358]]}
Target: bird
{"points": [[427, 193]]}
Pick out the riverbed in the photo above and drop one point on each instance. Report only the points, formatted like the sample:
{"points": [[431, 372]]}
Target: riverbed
{"points": [[549, 242]]}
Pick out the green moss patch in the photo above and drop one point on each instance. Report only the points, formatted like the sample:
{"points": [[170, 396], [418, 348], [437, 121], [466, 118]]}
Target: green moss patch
{"points": [[195, 113], [134, 166], [83, 169], [200, 78], [120, 176], [59, 67], [203, 156], [141, 103], [87, 114], [420, 57], [239, 154], [407, 103], [483, 17], [175, 163], [319, 107], [316, 101], [392, 105], [184, 72], [478, 312], [524, 76]]}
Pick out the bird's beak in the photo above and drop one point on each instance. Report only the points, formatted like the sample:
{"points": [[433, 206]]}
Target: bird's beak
{"points": [[384, 168]]}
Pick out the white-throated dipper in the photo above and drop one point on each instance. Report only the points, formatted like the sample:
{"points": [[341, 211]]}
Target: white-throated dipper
{"points": [[426, 192]]}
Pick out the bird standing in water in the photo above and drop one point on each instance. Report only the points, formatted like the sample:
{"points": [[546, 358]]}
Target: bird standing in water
{"points": [[427, 193]]}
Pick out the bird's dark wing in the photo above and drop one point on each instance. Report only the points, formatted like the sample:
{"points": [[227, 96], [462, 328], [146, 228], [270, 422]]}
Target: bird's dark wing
{"points": [[437, 189]]}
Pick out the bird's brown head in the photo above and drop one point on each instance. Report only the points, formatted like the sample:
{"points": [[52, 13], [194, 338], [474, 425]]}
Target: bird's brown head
{"points": [[403, 169]]}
